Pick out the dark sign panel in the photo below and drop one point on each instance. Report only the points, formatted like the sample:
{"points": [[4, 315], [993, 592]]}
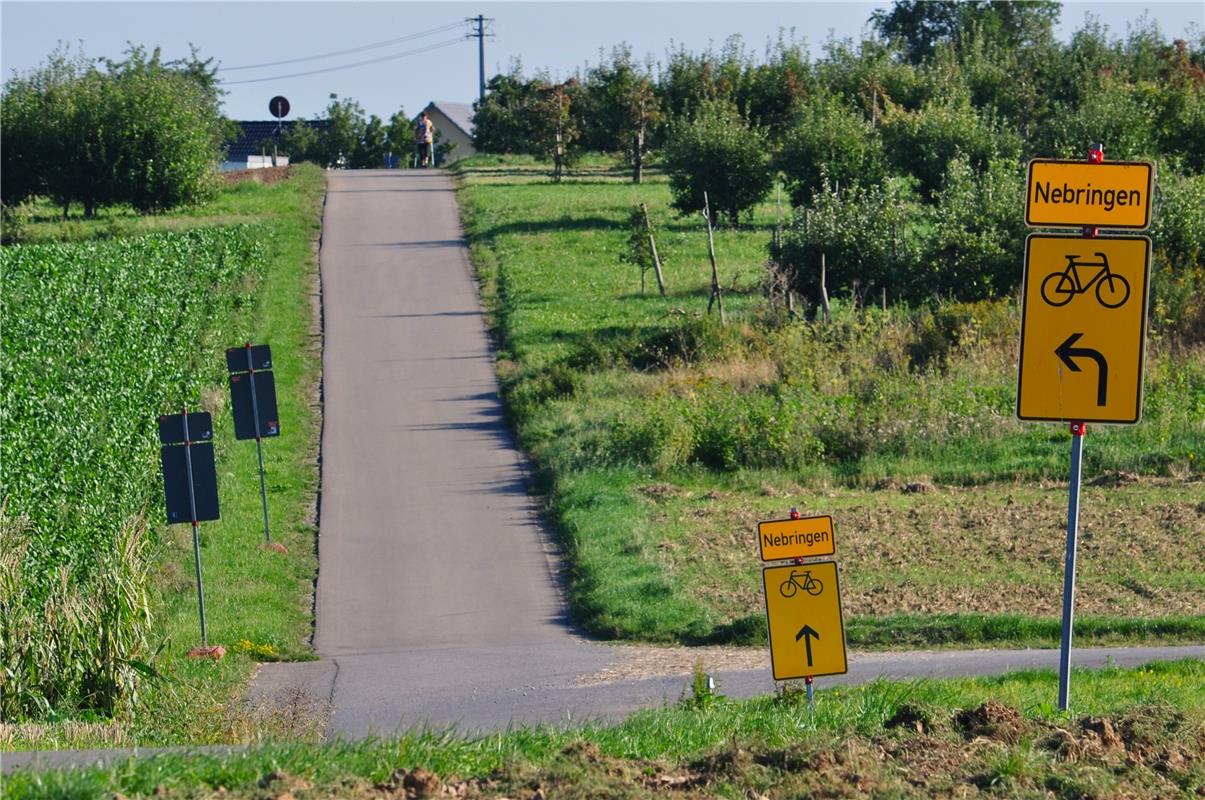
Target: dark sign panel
{"points": [[171, 428], [278, 106], [261, 358], [244, 413], [175, 481]]}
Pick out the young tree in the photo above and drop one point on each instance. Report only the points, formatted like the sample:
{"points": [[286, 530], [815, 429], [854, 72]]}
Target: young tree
{"points": [[643, 113], [554, 131], [501, 122], [718, 153]]}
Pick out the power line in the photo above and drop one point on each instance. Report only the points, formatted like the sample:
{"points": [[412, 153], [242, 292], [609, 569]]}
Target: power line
{"points": [[403, 54], [361, 48]]}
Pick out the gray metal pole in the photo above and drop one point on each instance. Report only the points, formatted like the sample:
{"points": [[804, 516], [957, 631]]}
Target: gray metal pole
{"points": [[1077, 452], [811, 693], [259, 449], [196, 540], [481, 57]]}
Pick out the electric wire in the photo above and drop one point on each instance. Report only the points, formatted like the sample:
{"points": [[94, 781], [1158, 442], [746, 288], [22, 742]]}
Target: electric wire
{"points": [[359, 49], [403, 54]]}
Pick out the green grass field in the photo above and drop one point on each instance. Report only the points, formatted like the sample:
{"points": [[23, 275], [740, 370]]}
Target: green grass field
{"points": [[1134, 732], [660, 439], [258, 601]]}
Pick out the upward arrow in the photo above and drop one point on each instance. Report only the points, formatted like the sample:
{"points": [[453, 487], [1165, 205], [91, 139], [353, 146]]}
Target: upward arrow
{"points": [[806, 633], [1066, 353]]}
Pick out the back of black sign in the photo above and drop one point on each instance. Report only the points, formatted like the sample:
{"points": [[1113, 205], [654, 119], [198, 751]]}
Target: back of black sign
{"points": [[240, 404], [171, 428], [261, 358], [175, 482]]}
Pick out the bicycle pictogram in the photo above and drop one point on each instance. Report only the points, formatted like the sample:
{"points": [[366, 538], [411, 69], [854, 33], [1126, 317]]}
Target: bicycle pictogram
{"points": [[809, 584], [1112, 290]]}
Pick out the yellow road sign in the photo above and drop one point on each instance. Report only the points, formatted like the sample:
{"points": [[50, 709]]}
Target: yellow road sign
{"points": [[1083, 328], [781, 539], [803, 606], [1077, 194]]}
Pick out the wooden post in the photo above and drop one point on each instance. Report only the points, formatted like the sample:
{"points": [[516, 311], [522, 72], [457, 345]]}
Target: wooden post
{"points": [[648, 225], [823, 288], [717, 297], [884, 298]]}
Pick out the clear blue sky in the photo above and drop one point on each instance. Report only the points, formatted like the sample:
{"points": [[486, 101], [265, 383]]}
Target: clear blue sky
{"points": [[559, 37]]}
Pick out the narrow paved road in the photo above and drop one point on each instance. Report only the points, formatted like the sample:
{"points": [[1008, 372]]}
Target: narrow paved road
{"points": [[434, 577]]}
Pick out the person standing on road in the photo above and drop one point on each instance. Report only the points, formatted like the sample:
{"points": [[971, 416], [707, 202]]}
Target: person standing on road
{"points": [[424, 137]]}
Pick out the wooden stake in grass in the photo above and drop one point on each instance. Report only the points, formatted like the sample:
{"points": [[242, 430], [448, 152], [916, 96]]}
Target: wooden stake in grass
{"points": [[653, 247], [823, 288], [717, 297]]}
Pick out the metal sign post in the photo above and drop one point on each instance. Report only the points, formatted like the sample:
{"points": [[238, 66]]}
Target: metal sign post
{"points": [[259, 446], [196, 538], [1077, 454]]}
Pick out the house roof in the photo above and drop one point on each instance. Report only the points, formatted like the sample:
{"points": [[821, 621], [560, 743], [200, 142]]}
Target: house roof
{"points": [[461, 114], [253, 133]]}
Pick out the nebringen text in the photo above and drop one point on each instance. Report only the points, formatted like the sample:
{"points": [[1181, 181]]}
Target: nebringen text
{"points": [[1043, 192], [784, 539]]}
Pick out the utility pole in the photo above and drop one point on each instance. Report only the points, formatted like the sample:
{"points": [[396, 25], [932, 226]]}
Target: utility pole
{"points": [[479, 22]]}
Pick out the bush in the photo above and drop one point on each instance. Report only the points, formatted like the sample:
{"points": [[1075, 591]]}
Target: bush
{"points": [[1178, 280], [975, 248], [718, 153], [141, 132], [830, 141], [870, 238], [923, 142]]}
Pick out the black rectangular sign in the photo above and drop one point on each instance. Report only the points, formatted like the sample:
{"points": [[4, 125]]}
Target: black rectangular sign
{"points": [[175, 481], [240, 403], [171, 428], [261, 358]]}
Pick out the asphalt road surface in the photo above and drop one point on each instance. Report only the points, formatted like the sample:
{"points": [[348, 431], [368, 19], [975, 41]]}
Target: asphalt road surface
{"points": [[434, 577], [437, 601]]}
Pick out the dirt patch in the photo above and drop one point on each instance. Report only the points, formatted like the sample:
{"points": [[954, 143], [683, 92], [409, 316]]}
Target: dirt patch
{"points": [[989, 550], [991, 720], [637, 663], [267, 176]]}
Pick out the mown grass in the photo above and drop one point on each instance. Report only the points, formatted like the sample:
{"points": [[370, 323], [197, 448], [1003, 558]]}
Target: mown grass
{"points": [[258, 602], [1154, 712], [613, 391]]}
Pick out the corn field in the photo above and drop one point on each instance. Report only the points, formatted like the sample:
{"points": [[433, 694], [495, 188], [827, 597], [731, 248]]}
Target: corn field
{"points": [[99, 338]]}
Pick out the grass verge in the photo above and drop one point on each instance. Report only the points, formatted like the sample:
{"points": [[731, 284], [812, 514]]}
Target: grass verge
{"points": [[1133, 732], [258, 601]]}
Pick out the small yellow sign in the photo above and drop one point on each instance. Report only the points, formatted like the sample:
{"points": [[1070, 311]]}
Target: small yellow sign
{"points": [[1083, 328], [803, 606], [804, 537], [1073, 194]]}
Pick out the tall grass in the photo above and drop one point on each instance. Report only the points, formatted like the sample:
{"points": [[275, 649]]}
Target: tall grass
{"points": [[85, 646]]}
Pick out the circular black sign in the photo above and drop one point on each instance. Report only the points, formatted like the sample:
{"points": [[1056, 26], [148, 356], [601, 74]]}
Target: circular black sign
{"points": [[279, 106]]}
